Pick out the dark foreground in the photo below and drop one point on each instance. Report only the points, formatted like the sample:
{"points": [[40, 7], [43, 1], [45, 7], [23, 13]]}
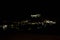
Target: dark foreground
{"points": [[34, 37], [28, 36]]}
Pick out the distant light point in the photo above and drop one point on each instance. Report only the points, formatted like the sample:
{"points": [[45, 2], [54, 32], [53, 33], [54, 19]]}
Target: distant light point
{"points": [[36, 15]]}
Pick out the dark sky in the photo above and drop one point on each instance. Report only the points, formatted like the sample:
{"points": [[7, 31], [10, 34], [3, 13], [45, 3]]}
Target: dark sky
{"points": [[24, 10]]}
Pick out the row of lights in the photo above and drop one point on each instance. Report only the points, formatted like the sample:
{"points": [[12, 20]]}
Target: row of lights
{"points": [[32, 23], [5, 27]]}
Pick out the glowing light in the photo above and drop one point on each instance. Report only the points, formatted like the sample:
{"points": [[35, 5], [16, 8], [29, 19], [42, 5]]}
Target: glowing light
{"points": [[33, 23], [42, 23], [4, 26], [39, 22], [52, 22], [47, 21], [37, 15], [26, 21]]}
